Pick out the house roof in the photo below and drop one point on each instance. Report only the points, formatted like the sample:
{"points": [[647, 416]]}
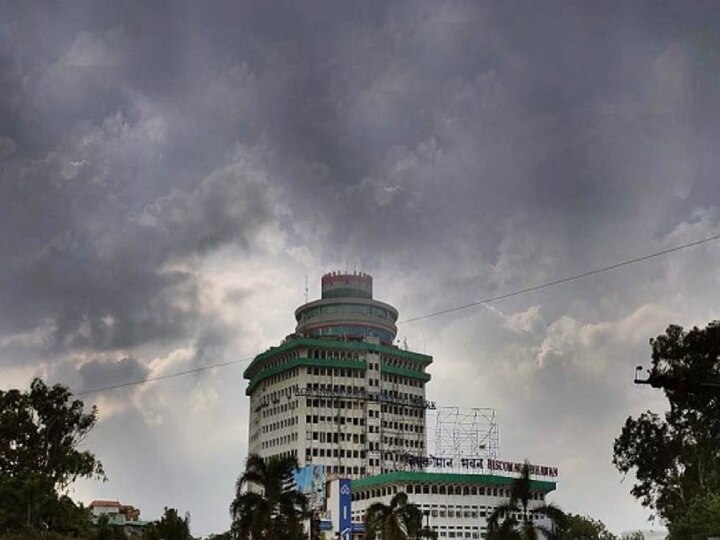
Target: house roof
{"points": [[105, 504]]}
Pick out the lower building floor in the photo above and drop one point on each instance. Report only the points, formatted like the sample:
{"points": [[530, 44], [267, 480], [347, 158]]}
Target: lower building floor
{"points": [[454, 505]]}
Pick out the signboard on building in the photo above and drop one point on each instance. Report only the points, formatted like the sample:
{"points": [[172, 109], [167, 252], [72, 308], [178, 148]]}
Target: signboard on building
{"points": [[310, 481], [345, 509], [476, 465]]}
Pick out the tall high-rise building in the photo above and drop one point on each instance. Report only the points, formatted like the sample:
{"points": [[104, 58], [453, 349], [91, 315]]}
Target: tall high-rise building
{"points": [[338, 392]]}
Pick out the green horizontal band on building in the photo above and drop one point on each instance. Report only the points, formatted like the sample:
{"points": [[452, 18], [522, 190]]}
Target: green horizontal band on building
{"points": [[359, 346], [421, 477], [346, 292], [405, 372], [303, 362]]}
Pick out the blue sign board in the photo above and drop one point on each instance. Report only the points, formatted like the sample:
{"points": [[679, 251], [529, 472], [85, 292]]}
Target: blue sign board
{"points": [[310, 480], [345, 509]]}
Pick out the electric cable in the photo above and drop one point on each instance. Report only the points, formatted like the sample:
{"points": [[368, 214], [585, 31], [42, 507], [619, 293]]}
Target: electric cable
{"points": [[560, 281], [436, 313]]}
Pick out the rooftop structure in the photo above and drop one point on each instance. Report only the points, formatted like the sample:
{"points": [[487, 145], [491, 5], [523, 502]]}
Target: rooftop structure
{"points": [[347, 310], [121, 516]]}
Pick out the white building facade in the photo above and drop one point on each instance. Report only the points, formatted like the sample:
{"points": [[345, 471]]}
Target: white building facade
{"points": [[454, 505], [337, 392]]}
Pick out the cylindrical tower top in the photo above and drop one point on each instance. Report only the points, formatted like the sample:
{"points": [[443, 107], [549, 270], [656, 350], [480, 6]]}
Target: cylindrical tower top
{"points": [[347, 311], [339, 285]]}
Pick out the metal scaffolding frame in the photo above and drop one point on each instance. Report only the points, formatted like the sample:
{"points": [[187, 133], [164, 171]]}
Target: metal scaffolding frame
{"points": [[458, 432]]}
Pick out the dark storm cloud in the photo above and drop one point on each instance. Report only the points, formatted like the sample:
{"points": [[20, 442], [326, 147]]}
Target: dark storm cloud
{"points": [[461, 148], [97, 373], [77, 254]]}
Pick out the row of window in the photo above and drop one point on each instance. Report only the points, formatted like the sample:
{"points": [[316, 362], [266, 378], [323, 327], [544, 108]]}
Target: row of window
{"points": [[342, 309], [359, 374], [333, 452], [280, 377], [330, 354], [398, 379], [275, 397], [416, 412], [335, 437], [459, 534], [274, 426], [351, 331], [341, 420], [441, 489], [345, 469], [336, 403], [287, 453], [279, 441], [403, 411], [398, 362], [399, 441], [313, 353], [343, 388], [336, 372], [401, 426], [280, 360], [279, 408]]}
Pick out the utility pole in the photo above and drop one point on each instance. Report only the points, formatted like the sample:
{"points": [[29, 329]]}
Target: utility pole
{"points": [[677, 383]]}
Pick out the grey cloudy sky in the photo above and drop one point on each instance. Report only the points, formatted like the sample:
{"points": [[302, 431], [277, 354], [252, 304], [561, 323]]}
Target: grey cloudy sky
{"points": [[171, 172]]}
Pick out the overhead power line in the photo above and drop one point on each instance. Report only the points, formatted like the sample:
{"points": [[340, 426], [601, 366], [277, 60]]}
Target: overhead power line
{"points": [[434, 314], [561, 280], [162, 377]]}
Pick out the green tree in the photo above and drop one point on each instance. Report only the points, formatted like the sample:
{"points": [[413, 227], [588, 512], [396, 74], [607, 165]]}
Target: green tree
{"points": [[399, 520], [40, 434], [701, 522], [263, 508], [104, 530], [41, 431], [169, 527], [30, 508], [576, 527], [637, 535], [676, 457], [221, 536], [517, 516]]}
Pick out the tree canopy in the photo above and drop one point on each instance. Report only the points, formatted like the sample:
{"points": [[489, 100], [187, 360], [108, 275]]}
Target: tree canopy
{"points": [[676, 456], [169, 527], [40, 434], [702, 521], [576, 527], [41, 431]]}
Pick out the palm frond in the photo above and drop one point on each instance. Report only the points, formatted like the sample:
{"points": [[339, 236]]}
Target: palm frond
{"points": [[399, 499], [503, 511]]}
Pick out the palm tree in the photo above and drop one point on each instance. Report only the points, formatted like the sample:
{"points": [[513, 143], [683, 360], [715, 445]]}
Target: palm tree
{"points": [[517, 522], [399, 520], [264, 508]]}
